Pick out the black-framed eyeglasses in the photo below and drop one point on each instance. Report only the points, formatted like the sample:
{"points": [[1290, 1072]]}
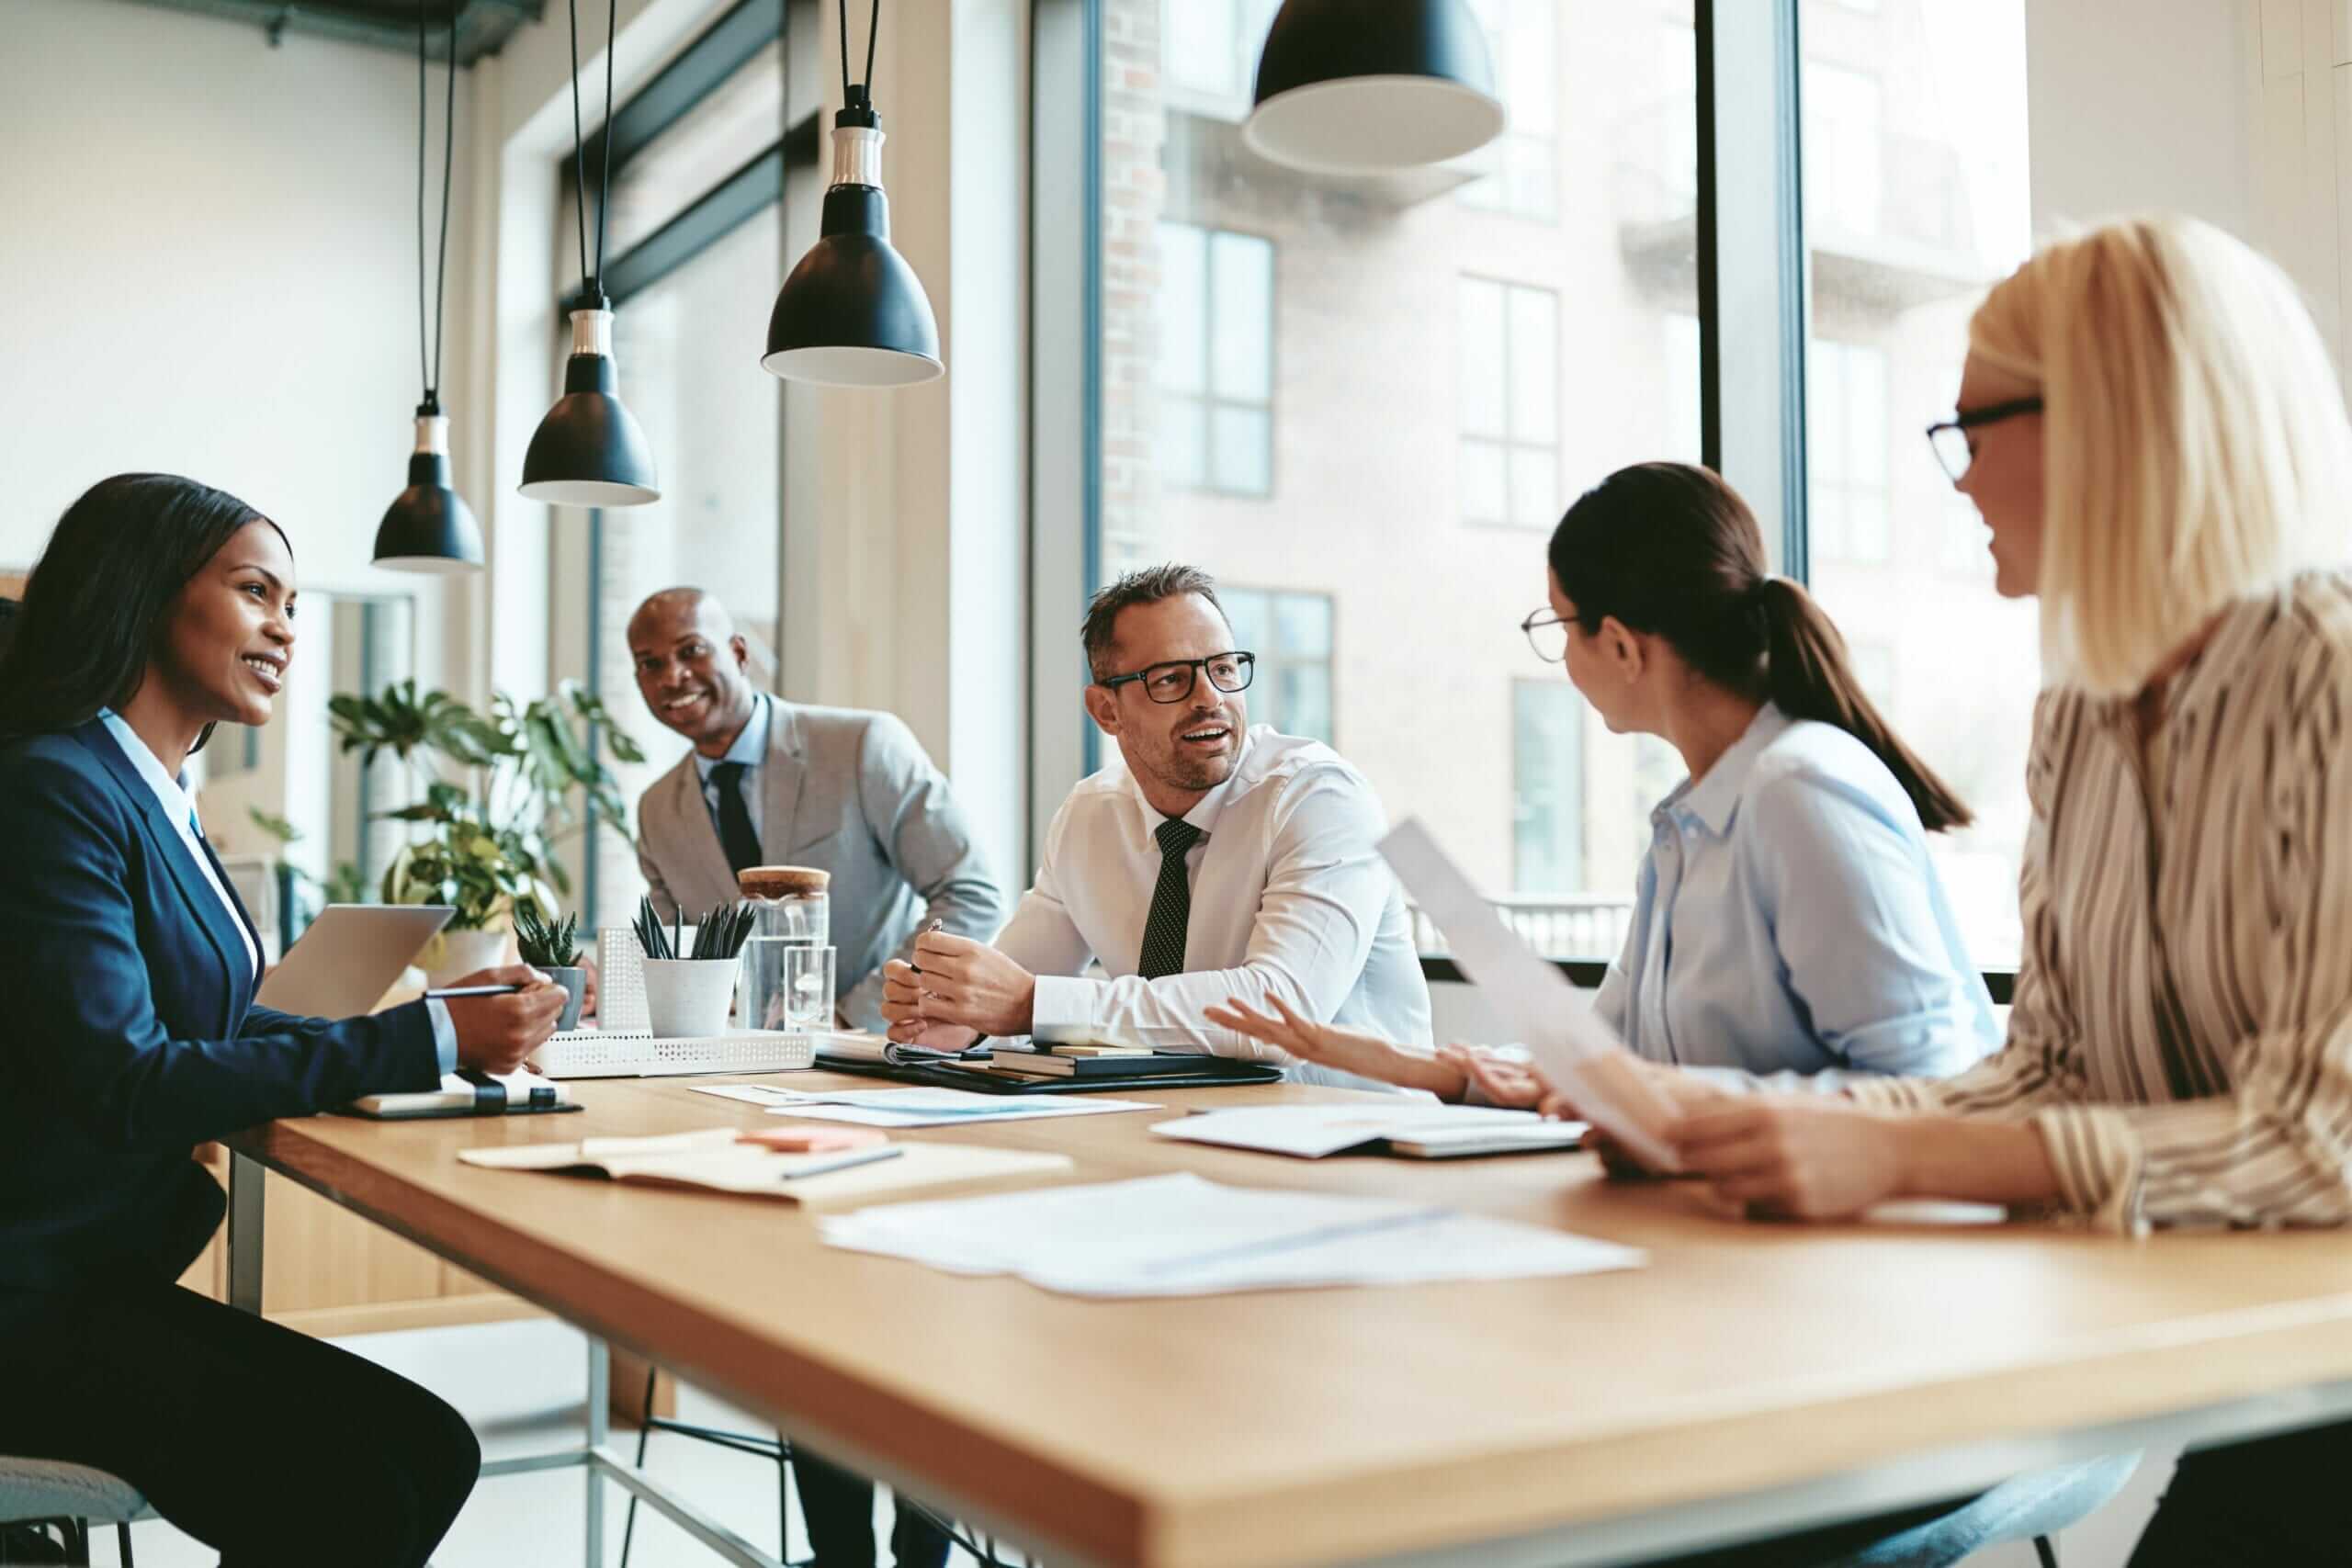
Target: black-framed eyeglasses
{"points": [[1949, 436], [1172, 682], [1547, 634]]}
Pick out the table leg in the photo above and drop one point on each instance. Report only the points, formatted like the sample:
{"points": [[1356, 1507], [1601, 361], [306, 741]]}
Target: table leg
{"points": [[600, 1405], [246, 1178]]}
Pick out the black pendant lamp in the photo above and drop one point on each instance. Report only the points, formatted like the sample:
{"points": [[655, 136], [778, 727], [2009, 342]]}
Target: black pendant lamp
{"points": [[853, 313], [1373, 86], [429, 527], [589, 450]]}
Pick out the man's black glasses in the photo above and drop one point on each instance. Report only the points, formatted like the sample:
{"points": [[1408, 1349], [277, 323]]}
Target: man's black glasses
{"points": [[1949, 437], [1173, 682]]}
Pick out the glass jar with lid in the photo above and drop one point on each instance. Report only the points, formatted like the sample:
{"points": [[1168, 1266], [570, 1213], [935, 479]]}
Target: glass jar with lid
{"points": [[790, 909]]}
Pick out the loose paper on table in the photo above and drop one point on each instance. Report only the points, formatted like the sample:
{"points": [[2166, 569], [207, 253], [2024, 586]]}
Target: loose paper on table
{"points": [[1182, 1235], [916, 1107], [1572, 1050], [1311, 1132]]}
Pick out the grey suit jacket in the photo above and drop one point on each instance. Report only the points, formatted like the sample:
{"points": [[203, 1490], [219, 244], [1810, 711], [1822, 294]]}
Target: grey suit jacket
{"points": [[851, 793]]}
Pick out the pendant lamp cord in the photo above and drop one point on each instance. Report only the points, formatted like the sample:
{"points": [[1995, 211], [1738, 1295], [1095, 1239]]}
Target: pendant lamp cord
{"points": [[865, 90], [429, 367], [592, 281]]}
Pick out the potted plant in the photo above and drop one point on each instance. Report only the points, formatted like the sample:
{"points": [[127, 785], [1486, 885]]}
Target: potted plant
{"points": [[497, 796], [554, 951]]}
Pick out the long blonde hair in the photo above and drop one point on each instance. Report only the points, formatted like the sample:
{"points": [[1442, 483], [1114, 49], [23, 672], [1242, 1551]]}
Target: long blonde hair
{"points": [[2195, 445]]}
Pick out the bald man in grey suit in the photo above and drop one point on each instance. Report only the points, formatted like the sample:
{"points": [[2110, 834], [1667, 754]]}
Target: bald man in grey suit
{"points": [[771, 782]]}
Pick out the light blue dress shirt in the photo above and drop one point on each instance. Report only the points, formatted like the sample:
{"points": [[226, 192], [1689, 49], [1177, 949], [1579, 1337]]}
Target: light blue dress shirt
{"points": [[179, 810], [1789, 919], [751, 749]]}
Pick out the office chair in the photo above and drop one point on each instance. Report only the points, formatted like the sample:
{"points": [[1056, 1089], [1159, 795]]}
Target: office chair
{"points": [[51, 1494], [775, 1447]]}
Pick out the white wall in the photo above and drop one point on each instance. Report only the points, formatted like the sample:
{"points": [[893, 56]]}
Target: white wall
{"points": [[207, 266]]}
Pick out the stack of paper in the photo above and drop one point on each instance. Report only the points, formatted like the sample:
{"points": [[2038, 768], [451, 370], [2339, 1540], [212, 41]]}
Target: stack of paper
{"points": [[1311, 1132], [1180, 1235], [716, 1158]]}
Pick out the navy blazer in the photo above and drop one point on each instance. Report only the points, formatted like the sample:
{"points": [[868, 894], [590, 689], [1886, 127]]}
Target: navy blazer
{"points": [[128, 1034]]}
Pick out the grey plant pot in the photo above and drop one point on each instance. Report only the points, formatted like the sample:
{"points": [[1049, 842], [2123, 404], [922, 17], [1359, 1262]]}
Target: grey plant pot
{"points": [[574, 982]]}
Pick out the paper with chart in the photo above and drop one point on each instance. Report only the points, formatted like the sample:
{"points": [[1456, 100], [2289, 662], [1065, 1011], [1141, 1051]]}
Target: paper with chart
{"points": [[1182, 1235], [1572, 1050], [946, 1107]]}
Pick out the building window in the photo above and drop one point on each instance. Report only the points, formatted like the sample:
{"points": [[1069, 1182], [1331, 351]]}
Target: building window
{"points": [[1845, 135], [1508, 390], [1216, 360], [1522, 165], [1546, 787], [1291, 634], [1845, 451], [1210, 47]]}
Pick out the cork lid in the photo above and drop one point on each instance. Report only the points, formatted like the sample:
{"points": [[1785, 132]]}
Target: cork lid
{"points": [[781, 881]]}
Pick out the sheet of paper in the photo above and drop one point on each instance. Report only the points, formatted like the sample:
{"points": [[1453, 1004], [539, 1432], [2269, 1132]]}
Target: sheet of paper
{"points": [[1179, 1235], [715, 1159], [1572, 1049], [948, 1108], [1314, 1131], [760, 1094]]}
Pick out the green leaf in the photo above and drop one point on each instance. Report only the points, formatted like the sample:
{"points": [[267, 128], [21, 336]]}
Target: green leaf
{"points": [[277, 827]]}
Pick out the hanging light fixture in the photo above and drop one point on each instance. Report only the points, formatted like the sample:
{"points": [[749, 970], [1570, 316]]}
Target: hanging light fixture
{"points": [[1373, 86], [853, 313], [589, 451], [429, 527]]}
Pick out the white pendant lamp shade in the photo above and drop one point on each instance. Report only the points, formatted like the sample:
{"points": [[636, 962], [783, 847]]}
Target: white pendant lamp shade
{"points": [[1373, 86]]}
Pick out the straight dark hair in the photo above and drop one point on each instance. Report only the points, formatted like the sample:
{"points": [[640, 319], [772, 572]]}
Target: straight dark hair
{"points": [[94, 606], [1147, 586], [1672, 551]]}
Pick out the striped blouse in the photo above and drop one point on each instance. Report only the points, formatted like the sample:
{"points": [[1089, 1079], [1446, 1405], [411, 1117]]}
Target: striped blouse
{"points": [[2182, 1030]]}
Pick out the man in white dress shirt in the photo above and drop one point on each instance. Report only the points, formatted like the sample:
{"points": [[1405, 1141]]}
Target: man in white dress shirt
{"points": [[1210, 861]]}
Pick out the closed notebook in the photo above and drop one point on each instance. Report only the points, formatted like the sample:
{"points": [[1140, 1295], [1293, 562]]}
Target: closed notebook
{"points": [[1108, 1063], [718, 1160]]}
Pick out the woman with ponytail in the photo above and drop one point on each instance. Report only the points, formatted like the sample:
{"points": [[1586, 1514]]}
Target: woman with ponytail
{"points": [[1788, 879]]}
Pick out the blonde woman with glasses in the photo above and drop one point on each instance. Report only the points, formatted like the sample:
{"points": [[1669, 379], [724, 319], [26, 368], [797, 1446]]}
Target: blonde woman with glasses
{"points": [[2153, 433]]}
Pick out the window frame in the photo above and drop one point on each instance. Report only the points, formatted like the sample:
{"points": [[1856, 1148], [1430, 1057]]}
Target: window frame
{"points": [[1210, 401]]}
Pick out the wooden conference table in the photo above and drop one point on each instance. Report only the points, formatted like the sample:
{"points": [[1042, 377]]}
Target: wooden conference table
{"points": [[1750, 1377]]}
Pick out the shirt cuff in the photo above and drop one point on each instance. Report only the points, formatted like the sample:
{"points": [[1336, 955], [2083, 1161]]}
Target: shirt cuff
{"points": [[1062, 1011], [2095, 1152], [445, 1035]]}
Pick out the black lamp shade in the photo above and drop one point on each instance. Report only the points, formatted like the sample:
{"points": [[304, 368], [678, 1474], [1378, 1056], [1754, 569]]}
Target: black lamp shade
{"points": [[852, 313], [428, 526], [1373, 86], [589, 450]]}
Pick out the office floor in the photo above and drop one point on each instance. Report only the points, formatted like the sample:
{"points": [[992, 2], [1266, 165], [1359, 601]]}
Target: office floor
{"points": [[521, 1382]]}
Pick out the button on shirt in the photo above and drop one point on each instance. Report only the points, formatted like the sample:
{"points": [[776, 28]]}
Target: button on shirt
{"points": [[179, 809], [1289, 898], [750, 749], [1788, 919]]}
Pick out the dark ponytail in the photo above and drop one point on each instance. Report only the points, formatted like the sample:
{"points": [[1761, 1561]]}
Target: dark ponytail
{"points": [[1672, 550]]}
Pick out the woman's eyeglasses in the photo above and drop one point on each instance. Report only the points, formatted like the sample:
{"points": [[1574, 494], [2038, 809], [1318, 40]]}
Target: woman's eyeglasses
{"points": [[1949, 437], [1547, 634]]}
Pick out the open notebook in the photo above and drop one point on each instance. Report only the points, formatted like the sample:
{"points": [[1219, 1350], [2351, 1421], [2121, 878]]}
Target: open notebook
{"points": [[715, 1159]]}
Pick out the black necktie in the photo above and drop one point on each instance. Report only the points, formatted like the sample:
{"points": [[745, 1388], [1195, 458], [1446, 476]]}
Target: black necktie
{"points": [[1171, 903], [735, 831]]}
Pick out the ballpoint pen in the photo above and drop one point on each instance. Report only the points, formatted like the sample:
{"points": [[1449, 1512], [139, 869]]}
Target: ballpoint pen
{"points": [[935, 925]]}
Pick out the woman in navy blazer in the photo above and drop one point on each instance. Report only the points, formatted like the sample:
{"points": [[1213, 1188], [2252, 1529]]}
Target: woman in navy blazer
{"points": [[129, 1035]]}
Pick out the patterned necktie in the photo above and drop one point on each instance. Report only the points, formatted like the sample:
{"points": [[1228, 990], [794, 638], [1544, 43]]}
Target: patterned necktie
{"points": [[1171, 903], [735, 831]]}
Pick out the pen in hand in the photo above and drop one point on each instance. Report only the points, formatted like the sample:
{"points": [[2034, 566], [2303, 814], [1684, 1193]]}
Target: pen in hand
{"points": [[452, 993], [935, 925]]}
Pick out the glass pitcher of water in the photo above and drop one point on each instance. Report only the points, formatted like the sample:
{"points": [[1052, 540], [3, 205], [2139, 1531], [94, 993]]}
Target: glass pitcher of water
{"points": [[790, 908]]}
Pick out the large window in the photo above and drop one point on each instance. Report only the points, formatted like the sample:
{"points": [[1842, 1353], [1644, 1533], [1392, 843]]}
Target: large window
{"points": [[1216, 359], [1291, 634], [1509, 382], [1915, 168], [1362, 404]]}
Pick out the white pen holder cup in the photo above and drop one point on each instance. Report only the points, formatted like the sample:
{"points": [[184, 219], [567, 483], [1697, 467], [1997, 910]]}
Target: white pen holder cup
{"points": [[688, 997]]}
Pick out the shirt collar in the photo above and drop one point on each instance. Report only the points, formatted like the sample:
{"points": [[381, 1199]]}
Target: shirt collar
{"points": [[1205, 810], [751, 747], [1713, 800], [171, 793]]}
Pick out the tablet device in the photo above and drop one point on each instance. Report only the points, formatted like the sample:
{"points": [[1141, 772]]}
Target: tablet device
{"points": [[342, 966]]}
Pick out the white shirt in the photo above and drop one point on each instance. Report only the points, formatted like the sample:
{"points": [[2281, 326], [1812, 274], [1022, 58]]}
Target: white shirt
{"points": [[1290, 898]]}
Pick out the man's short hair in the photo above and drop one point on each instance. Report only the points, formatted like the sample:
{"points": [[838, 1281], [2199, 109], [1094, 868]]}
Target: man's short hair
{"points": [[1149, 586]]}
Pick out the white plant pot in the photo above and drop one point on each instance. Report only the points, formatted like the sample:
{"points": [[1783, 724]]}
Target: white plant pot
{"points": [[689, 998], [455, 955]]}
